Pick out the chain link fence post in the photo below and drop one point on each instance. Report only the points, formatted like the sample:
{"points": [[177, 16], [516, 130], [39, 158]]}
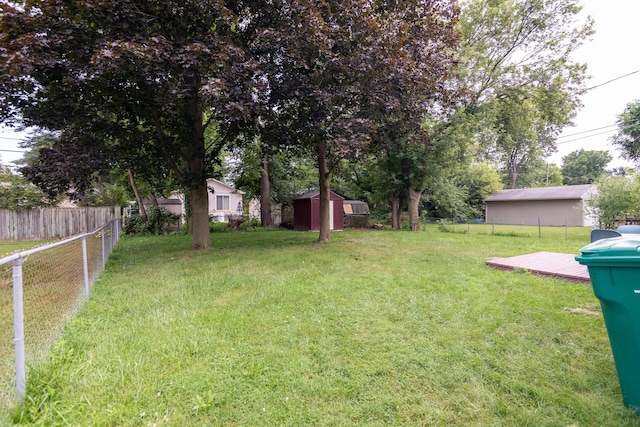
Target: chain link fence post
{"points": [[85, 265], [104, 254], [18, 325]]}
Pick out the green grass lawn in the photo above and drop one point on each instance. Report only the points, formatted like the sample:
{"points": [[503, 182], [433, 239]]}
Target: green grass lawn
{"points": [[374, 328]]}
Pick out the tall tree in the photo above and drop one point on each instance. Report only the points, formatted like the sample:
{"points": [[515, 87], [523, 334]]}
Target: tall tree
{"points": [[143, 71], [628, 135], [409, 95], [338, 71], [272, 174], [584, 166], [518, 66]]}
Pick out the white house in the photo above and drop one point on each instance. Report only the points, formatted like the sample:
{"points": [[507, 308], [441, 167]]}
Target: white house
{"points": [[224, 200], [563, 205]]}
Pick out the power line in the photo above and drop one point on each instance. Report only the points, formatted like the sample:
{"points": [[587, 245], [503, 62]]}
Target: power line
{"points": [[14, 151], [610, 81], [586, 131], [585, 137]]}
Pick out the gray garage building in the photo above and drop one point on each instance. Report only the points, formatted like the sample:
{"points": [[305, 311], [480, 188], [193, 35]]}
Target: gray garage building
{"points": [[545, 205]]}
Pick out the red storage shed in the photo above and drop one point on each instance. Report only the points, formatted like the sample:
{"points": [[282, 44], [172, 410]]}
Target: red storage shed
{"points": [[306, 212]]}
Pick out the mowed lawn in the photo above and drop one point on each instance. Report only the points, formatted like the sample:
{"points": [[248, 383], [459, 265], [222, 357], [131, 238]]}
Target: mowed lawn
{"points": [[8, 248], [374, 328]]}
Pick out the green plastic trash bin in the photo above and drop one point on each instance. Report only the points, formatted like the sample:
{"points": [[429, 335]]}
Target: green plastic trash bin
{"points": [[614, 268]]}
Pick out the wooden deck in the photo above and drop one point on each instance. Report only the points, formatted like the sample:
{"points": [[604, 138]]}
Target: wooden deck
{"points": [[552, 264]]}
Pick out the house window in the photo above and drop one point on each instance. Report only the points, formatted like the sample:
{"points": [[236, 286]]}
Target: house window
{"points": [[222, 203]]}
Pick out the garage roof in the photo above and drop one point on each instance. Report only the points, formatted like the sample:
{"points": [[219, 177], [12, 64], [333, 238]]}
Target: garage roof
{"points": [[566, 192]]}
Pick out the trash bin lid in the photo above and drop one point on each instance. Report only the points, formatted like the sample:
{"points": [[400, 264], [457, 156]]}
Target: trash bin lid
{"points": [[628, 229], [624, 249]]}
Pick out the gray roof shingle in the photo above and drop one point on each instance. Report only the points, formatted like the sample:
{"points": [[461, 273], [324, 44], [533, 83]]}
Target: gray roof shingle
{"points": [[566, 192]]}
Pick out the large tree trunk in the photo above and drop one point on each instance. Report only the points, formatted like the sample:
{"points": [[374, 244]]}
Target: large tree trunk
{"points": [[325, 198], [414, 204], [265, 194], [199, 199], [134, 188], [396, 210], [187, 213], [198, 192], [512, 167], [513, 179]]}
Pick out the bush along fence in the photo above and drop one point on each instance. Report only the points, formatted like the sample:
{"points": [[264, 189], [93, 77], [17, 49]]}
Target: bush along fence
{"points": [[52, 223], [40, 290]]}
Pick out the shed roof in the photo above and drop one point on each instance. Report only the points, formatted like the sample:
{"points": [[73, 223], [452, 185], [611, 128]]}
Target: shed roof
{"points": [[315, 193], [566, 192], [355, 207]]}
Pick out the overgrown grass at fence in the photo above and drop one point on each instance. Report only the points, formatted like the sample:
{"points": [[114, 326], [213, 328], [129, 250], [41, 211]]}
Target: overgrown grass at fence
{"points": [[374, 328], [513, 230], [53, 287]]}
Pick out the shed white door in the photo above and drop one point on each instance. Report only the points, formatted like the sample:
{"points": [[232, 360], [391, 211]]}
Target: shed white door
{"points": [[330, 214]]}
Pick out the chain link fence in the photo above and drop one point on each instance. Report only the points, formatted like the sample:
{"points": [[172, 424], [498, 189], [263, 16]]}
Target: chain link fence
{"points": [[40, 290]]}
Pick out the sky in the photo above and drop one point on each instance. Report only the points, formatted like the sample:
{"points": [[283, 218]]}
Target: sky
{"points": [[610, 55]]}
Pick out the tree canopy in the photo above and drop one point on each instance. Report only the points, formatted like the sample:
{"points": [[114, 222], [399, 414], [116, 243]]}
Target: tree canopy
{"points": [[584, 166], [142, 79], [349, 76], [628, 135], [18, 193], [520, 74], [617, 197], [431, 96]]}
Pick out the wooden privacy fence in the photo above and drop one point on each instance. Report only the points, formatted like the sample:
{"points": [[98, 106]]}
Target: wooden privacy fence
{"points": [[52, 223]]}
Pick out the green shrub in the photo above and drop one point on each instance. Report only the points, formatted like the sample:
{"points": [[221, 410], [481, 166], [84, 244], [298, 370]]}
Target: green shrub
{"points": [[158, 219], [445, 225], [134, 225], [356, 221], [250, 225], [218, 227]]}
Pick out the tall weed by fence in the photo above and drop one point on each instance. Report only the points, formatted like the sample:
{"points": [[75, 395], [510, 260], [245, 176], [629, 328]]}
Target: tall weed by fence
{"points": [[52, 223], [52, 281]]}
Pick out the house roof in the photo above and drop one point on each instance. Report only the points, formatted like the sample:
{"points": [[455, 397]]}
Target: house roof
{"points": [[566, 192], [231, 189]]}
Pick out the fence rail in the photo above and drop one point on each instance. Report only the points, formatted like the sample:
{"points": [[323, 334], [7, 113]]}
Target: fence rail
{"points": [[40, 290], [52, 223]]}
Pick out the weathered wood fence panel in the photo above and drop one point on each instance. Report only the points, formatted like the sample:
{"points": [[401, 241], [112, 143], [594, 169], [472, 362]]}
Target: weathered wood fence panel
{"points": [[52, 223]]}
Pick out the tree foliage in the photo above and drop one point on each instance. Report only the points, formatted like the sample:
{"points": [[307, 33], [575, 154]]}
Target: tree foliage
{"points": [[584, 166], [617, 198], [628, 135], [73, 168], [290, 174], [519, 71], [344, 74], [17, 193], [149, 77]]}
